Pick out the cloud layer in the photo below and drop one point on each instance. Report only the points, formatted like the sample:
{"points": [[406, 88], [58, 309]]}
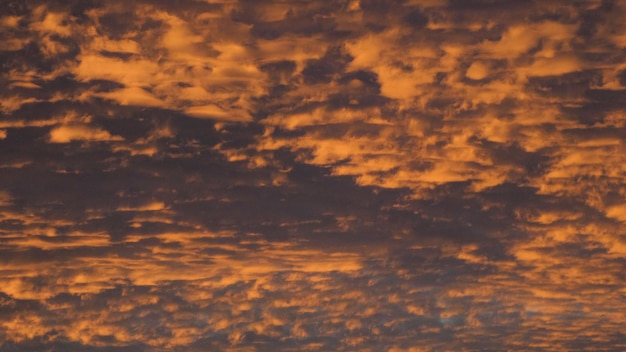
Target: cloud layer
{"points": [[312, 176]]}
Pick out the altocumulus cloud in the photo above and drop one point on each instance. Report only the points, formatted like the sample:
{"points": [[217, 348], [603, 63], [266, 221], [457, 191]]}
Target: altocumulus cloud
{"points": [[357, 175]]}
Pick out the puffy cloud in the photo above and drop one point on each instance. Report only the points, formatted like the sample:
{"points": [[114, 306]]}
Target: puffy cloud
{"points": [[477, 71], [68, 133], [126, 72], [617, 212], [51, 23], [133, 96]]}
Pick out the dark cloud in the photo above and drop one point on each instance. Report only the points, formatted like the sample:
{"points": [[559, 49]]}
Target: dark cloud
{"points": [[293, 18], [322, 70], [416, 19]]}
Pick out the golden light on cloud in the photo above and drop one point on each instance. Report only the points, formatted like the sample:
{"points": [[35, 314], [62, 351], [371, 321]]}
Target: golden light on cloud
{"points": [[65, 134], [420, 175]]}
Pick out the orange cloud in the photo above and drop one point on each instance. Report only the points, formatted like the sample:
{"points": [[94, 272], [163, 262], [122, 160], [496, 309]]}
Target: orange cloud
{"points": [[133, 96], [439, 182], [68, 133]]}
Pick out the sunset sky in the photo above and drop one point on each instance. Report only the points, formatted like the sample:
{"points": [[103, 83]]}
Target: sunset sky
{"points": [[299, 175]]}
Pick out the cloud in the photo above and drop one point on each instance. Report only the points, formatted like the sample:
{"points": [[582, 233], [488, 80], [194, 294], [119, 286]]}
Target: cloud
{"points": [[179, 70], [553, 66], [154, 206], [215, 112], [617, 212], [52, 23], [477, 71], [129, 73], [66, 134], [358, 175], [133, 96]]}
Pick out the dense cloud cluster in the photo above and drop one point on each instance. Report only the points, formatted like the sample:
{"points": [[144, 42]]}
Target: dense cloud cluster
{"points": [[346, 175]]}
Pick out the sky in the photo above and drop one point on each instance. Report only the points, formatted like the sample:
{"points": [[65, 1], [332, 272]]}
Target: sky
{"points": [[293, 175]]}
